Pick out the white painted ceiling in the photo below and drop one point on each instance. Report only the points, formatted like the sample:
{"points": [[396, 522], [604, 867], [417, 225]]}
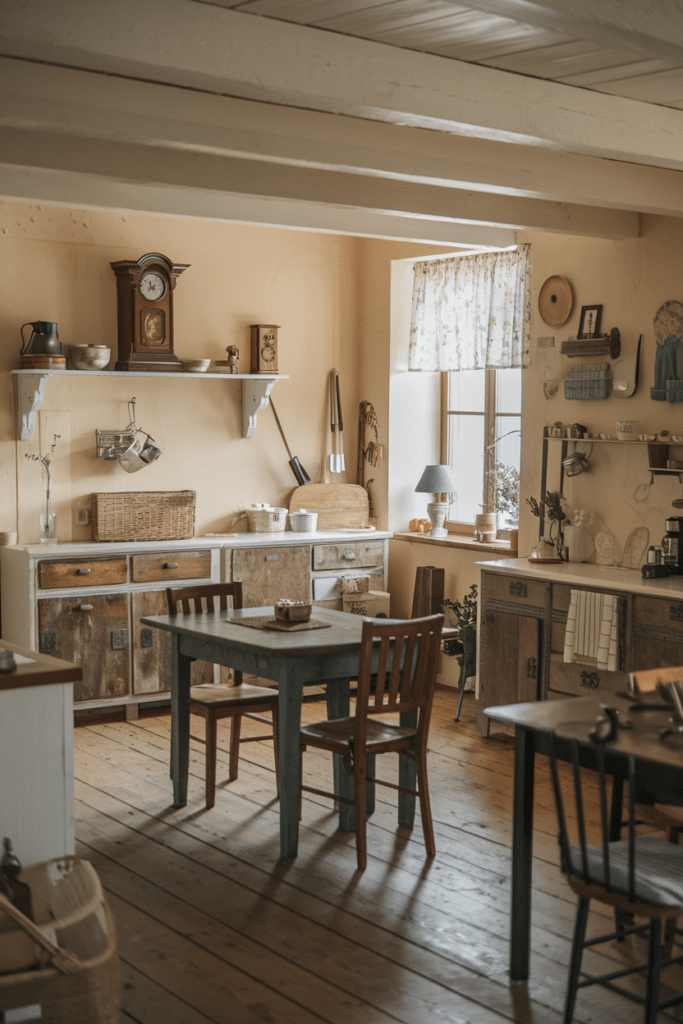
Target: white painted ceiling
{"points": [[624, 49], [416, 119]]}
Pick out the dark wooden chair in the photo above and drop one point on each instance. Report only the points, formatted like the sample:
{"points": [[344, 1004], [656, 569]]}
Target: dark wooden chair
{"points": [[216, 701], [404, 681], [640, 876]]}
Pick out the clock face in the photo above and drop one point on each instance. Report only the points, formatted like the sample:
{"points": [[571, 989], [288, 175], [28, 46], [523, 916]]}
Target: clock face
{"points": [[152, 286]]}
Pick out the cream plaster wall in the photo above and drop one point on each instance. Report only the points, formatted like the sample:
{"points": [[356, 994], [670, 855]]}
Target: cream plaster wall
{"points": [[332, 297], [56, 267], [631, 279]]}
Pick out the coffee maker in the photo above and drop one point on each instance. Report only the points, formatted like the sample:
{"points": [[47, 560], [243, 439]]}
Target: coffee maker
{"points": [[672, 545]]}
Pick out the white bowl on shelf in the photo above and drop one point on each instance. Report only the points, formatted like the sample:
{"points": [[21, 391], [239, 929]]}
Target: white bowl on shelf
{"points": [[677, 438], [196, 365], [647, 437], [90, 357]]}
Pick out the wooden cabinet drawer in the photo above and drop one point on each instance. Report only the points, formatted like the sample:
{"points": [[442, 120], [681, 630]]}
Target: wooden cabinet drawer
{"points": [[514, 589], [268, 574], [346, 556], [81, 572], [573, 679], [658, 613], [180, 565]]}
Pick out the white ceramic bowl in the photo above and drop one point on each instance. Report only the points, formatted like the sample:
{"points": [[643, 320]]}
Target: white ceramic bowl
{"points": [[647, 437], [677, 438], [196, 365], [90, 357]]}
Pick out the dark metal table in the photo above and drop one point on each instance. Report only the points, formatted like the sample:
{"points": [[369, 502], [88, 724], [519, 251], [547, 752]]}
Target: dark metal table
{"points": [[659, 765], [294, 660]]}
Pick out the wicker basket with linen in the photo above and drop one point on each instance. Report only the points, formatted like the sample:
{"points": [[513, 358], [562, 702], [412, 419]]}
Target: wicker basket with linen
{"points": [[66, 961], [143, 515]]}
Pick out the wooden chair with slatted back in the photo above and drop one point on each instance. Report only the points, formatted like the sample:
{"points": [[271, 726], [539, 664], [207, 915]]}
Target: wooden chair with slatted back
{"points": [[641, 876], [403, 682], [216, 701]]}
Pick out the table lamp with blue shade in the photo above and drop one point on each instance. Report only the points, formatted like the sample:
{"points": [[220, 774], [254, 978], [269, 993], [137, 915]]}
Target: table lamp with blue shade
{"points": [[437, 480]]}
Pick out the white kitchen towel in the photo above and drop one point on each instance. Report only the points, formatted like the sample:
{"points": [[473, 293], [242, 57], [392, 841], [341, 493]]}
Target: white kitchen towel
{"points": [[592, 632]]}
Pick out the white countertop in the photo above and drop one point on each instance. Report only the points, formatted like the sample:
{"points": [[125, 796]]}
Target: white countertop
{"points": [[240, 540], [587, 574]]}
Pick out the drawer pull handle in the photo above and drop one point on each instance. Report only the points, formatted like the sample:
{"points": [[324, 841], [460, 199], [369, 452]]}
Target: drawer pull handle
{"points": [[170, 565], [85, 607], [83, 572], [272, 558], [349, 556]]}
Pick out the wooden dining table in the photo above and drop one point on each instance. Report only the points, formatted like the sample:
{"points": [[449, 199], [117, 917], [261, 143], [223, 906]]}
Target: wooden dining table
{"points": [[326, 656], [659, 771]]}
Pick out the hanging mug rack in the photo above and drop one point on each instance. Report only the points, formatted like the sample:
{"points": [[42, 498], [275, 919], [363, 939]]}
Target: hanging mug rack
{"points": [[122, 444]]}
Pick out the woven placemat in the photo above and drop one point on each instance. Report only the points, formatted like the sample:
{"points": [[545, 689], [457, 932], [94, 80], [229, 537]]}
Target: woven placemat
{"points": [[266, 622]]}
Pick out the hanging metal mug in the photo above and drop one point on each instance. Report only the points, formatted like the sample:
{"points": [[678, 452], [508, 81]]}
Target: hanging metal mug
{"points": [[140, 453], [575, 464], [150, 450]]}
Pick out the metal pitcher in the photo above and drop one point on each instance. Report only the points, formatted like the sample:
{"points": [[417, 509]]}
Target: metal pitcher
{"points": [[44, 339]]}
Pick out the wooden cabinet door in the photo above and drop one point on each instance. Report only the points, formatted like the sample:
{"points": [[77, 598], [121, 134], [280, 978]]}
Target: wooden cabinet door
{"points": [[657, 633], [268, 574], [152, 648], [92, 631], [509, 658]]}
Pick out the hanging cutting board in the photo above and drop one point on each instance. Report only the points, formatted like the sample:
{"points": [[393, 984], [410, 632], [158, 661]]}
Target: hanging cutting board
{"points": [[339, 506]]}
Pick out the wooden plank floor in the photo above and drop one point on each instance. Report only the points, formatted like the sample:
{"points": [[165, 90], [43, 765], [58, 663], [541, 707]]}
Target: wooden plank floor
{"points": [[213, 928]]}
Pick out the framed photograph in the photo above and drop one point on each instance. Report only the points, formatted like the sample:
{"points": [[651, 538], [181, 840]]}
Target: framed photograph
{"points": [[589, 324]]}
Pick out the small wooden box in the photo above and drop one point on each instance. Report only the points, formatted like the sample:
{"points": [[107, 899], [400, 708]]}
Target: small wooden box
{"points": [[264, 348]]}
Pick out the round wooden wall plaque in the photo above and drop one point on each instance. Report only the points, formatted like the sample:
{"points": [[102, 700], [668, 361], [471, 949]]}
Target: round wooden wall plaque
{"points": [[555, 300]]}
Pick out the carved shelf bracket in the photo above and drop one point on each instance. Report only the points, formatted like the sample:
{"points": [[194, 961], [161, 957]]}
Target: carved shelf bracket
{"points": [[254, 399], [30, 394]]}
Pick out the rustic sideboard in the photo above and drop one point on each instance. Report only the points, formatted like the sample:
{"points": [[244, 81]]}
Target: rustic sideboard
{"points": [[83, 602]]}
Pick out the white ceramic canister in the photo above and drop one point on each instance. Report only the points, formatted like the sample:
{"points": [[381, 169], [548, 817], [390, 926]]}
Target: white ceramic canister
{"points": [[303, 521], [579, 543]]}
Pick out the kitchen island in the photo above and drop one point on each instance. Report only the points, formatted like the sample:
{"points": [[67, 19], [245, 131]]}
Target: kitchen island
{"points": [[523, 614], [83, 601]]}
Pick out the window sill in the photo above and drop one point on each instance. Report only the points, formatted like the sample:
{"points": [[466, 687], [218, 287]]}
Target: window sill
{"points": [[460, 540]]}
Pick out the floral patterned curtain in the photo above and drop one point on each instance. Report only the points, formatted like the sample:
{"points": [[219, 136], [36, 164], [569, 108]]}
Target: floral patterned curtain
{"points": [[471, 312]]}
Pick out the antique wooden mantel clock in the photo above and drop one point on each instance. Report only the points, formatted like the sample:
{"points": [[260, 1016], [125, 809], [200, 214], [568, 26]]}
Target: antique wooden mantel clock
{"points": [[145, 313]]}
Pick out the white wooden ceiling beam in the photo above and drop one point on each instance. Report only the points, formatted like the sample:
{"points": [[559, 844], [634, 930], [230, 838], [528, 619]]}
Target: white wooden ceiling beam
{"points": [[634, 26], [83, 191], [200, 46], [41, 98], [139, 163]]}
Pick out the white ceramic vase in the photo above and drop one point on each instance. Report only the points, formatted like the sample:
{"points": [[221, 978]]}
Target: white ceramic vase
{"points": [[578, 543]]}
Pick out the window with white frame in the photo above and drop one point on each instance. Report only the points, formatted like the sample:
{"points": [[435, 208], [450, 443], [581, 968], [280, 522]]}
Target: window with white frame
{"points": [[470, 320], [481, 420]]}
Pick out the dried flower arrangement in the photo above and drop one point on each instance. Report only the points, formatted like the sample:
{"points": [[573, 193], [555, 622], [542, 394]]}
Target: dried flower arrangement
{"points": [[552, 508]]}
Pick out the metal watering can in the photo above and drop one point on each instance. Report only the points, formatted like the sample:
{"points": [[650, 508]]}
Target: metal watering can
{"points": [[44, 339]]}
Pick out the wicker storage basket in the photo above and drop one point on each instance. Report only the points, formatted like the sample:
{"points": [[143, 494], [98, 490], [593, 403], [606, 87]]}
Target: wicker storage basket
{"points": [[143, 515], [267, 520], [353, 584], [78, 980]]}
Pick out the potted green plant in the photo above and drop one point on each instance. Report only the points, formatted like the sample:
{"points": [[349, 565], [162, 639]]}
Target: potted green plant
{"points": [[465, 614]]}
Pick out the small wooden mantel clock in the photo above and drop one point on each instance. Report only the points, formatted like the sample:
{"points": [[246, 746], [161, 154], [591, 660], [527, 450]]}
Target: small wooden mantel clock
{"points": [[145, 313]]}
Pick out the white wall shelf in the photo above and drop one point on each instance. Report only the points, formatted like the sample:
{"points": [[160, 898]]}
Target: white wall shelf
{"points": [[256, 388]]}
